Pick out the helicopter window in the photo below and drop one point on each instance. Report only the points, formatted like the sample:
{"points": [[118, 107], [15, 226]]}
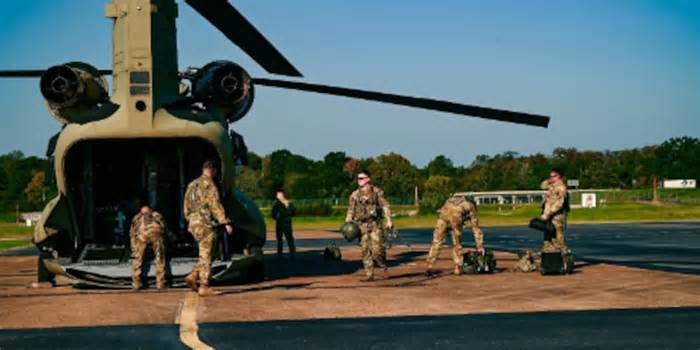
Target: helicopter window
{"points": [[140, 106]]}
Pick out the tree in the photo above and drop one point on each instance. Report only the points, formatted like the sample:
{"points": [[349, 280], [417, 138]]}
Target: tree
{"points": [[441, 165], [394, 174], [35, 190], [677, 158]]}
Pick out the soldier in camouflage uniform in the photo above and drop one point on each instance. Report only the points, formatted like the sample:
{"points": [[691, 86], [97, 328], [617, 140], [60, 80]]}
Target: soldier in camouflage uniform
{"points": [[147, 228], [453, 214], [367, 206], [555, 209], [203, 209]]}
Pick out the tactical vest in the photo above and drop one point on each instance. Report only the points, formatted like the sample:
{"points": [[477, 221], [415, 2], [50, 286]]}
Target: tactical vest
{"points": [[367, 207]]}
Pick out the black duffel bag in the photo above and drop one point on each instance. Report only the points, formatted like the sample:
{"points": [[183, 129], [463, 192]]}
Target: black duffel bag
{"points": [[545, 226], [557, 263]]}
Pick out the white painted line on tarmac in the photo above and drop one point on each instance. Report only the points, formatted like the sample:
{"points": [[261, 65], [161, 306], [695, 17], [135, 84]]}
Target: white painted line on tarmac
{"points": [[187, 318]]}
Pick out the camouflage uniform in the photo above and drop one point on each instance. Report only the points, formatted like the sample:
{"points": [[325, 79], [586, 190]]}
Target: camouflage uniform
{"points": [[367, 208], [147, 229], [453, 214], [202, 208], [553, 208]]}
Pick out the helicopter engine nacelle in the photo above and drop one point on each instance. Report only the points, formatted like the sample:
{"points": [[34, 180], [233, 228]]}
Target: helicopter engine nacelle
{"points": [[72, 90], [224, 87]]}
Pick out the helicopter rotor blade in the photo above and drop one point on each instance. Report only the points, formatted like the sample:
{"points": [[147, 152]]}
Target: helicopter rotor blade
{"points": [[238, 30], [35, 73], [417, 102], [25, 73]]}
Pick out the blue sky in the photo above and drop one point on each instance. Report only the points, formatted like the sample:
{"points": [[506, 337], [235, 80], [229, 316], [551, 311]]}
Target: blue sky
{"points": [[611, 74]]}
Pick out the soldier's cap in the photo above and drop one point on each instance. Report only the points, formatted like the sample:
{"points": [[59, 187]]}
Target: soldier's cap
{"points": [[209, 164]]}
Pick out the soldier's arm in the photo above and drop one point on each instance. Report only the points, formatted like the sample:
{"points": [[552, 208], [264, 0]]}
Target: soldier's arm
{"points": [[385, 205], [215, 206], [134, 226], [186, 203], [556, 202], [351, 209]]}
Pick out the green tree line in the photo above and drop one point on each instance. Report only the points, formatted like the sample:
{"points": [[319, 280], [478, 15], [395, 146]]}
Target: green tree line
{"points": [[22, 178]]}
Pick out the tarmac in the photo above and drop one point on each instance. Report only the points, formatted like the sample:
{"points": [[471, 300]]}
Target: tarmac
{"points": [[635, 285]]}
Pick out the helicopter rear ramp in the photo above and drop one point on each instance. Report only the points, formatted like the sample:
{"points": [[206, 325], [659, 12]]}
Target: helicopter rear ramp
{"points": [[117, 275]]}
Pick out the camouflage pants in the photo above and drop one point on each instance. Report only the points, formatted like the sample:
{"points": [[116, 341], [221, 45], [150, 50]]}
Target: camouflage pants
{"points": [[138, 250], [372, 245], [204, 235], [557, 242], [439, 239]]}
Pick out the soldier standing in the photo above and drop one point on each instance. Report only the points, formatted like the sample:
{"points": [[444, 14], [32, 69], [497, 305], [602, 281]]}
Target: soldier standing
{"points": [[147, 228], [282, 212], [367, 206], [453, 214], [555, 208], [202, 209]]}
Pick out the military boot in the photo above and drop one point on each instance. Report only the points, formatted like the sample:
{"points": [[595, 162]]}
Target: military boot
{"points": [[191, 280], [205, 291]]}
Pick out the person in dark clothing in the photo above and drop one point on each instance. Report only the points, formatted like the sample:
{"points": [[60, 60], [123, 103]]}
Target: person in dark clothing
{"points": [[282, 212]]}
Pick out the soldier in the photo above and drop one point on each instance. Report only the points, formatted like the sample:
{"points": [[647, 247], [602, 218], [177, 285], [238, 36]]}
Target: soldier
{"points": [[453, 214], [555, 208], [367, 206], [147, 227], [202, 209], [282, 212]]}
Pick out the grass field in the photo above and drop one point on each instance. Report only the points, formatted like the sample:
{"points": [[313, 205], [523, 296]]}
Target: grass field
{"points": [[507, 215], [12, 234], [14, 243]]}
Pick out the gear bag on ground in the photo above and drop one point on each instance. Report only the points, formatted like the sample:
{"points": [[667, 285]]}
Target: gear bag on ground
{"points": [[475, 263]]}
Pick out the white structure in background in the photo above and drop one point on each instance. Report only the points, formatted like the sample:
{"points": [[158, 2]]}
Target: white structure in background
{"points": [[684, 183], [31, 218], [588, 200], [520, 197]]}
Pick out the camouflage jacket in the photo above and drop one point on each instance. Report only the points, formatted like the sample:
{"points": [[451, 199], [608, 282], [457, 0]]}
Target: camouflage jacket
{"points": [[554, 198], [147, 226], [458, 210], [367, 205], [202, 203]]}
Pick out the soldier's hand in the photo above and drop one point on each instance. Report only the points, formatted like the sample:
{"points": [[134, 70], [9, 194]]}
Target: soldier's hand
{"points": [[481, 251], [544, 217], [229, 229], [389, 224]]}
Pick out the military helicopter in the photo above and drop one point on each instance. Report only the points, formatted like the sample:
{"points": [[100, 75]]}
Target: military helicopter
{"points": [[152, 134]]}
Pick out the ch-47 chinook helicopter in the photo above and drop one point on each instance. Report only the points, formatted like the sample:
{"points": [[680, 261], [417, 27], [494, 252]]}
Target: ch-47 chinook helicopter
{"points": [[152, 134]]}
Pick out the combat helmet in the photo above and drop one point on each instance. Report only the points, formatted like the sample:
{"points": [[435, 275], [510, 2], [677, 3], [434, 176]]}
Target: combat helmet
{"points": [[350, 230]]}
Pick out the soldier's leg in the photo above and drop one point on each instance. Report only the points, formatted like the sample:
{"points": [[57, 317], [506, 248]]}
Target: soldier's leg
{"points": [[365, 242], [457, 257], [289, 236], [278, 235], [377, 245], [438, 240], [159, 251], [559, 222], [138, 248], [204, 263]]}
